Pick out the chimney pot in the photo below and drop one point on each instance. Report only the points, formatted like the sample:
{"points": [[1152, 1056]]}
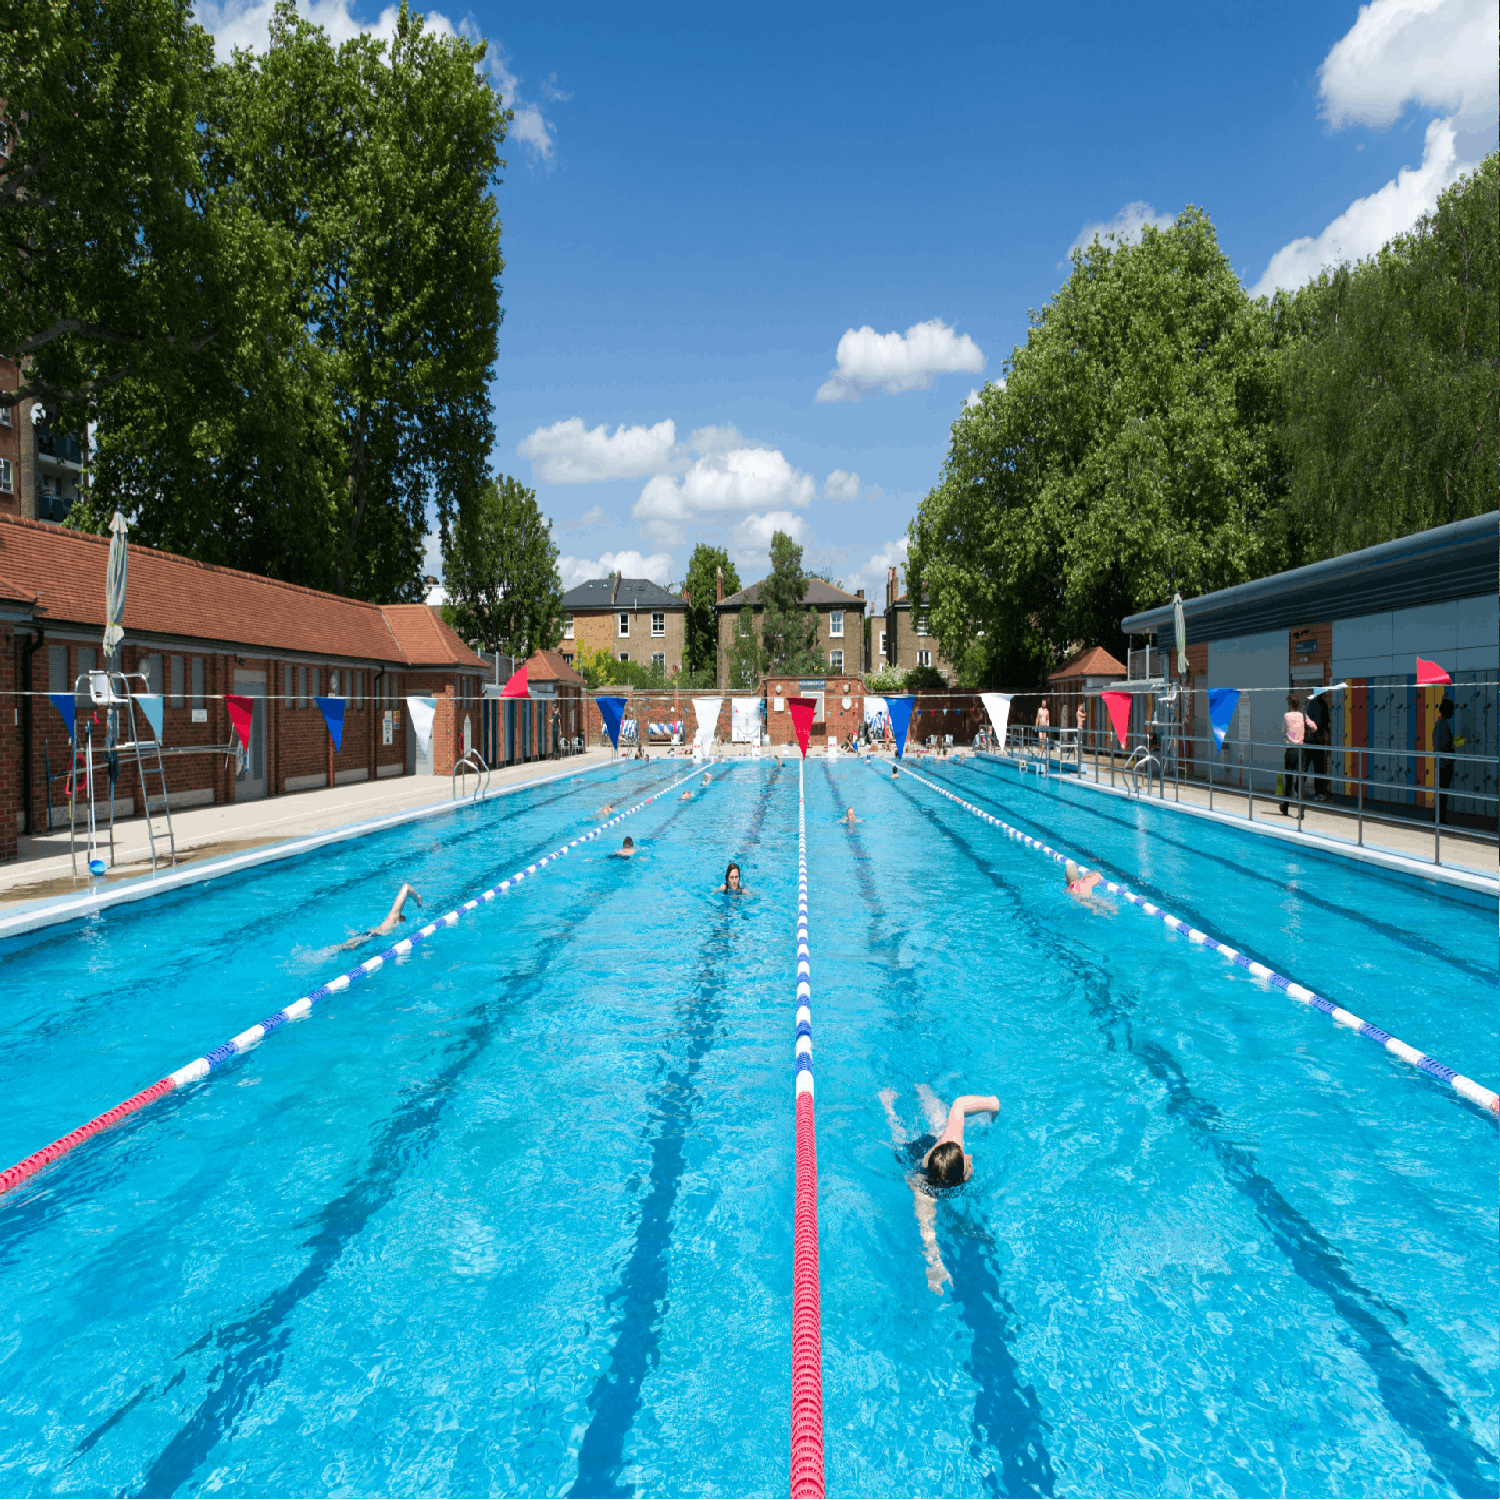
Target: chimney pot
{"points": [[720, 585]]}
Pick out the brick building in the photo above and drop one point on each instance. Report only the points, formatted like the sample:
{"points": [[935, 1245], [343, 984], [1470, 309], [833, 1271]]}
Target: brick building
{"points": [[841, 625], [905, 641], [197, 632], [40, 469], [631, 618]]}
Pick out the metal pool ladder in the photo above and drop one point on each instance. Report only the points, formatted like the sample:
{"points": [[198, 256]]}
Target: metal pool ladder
{"points": [[472, 761]]}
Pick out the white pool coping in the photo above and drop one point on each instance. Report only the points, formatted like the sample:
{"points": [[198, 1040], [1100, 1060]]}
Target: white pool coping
{"points": [[1386, 859], [51, 910]]}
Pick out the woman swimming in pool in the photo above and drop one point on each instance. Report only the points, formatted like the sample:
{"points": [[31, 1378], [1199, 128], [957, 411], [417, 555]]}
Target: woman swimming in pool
{"points": [[732, 886]]}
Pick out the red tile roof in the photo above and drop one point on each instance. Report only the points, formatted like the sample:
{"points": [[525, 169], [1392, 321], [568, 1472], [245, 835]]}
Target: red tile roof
{"points": [[548, 666], [427, 640], [1092, 661], [165, 595]]}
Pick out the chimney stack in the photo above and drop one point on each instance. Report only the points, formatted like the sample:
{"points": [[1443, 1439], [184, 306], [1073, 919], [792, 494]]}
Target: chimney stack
{"points": [[720, 598], [614, 587]]}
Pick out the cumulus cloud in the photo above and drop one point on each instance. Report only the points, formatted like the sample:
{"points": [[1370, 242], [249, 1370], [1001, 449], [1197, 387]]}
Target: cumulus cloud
{"points": [[246, 24], [718, 485], [751, 538], [870, 575], [1437, 54], [1369, 222], [840, 487], [594, 517], [568, 453], [1125, 228], [870, 361], [657, 567]]}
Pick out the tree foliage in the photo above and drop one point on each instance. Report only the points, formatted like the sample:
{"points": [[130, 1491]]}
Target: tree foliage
{"points": [[349, 247], [601, 667], [1388, 382], [500, 571], [701, 588], [788, 627]]}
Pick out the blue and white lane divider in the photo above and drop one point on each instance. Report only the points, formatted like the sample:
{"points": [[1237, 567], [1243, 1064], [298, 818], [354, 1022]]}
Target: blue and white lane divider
{"points": [[298, 1010], [1475, 1093]]}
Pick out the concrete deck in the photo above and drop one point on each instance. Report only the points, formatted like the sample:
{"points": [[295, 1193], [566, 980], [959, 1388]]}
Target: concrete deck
{"points": [[44, 870]]}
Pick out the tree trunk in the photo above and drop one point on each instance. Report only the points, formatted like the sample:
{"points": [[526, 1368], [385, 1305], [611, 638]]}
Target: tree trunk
{"points": [[356, 491]]}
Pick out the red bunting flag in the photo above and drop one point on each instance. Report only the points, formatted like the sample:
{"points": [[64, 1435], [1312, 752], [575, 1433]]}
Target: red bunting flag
{"points": [[802, 711], [240, 711], [1118, 705], [1429, 674], [518, 686]]}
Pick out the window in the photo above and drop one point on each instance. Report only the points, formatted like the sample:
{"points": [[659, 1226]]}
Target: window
{"points": [[567, 627], [85, 666], [359, 689], [5, 416], [624, 627], [51, 486], [313, 690], [567, 658], [301, 687], [288, 696], [659, 662], [333, 683], [57, 669], [658, 622], [151, 667], [624, 656], [177, 684], [198, 682], [921, 624], [882, 645], [924, 658], [6, 480], [835, 622], [835, 661]]}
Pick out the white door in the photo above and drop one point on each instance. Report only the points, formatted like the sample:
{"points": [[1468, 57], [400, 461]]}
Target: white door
{"points": [[250, 782]]}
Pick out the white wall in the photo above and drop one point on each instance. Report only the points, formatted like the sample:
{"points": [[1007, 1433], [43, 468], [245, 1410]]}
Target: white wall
{"points": [[1461, 635], [1252, 661]]}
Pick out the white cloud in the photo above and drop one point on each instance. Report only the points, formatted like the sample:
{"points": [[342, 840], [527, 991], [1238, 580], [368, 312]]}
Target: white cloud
{"points": [[247, 24], [1125, 227], [870, 576], [839, 488], [893, 362], [568, 453], [657, 567], [971, 400], [750, 540], [1438, 54], [594, 517], [716, 487], [1369, 222]]}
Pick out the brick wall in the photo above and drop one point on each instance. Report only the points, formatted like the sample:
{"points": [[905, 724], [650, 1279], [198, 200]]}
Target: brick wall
{"points": [[10, 742], [597, 630]]}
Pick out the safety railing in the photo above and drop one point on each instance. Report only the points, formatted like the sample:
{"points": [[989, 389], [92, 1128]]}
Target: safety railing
{"points": [[475, 762]]}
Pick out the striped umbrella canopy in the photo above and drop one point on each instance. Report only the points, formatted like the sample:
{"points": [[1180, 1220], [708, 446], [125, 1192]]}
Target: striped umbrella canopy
{"points": [[114, 586], [1179, 626]]}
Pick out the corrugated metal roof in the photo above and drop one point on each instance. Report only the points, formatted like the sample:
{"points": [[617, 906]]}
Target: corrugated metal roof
{"points": [[1448, 562]]}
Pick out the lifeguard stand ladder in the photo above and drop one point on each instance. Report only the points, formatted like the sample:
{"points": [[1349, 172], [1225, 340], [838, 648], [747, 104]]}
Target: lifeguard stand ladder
{"points": [[112, 692]]}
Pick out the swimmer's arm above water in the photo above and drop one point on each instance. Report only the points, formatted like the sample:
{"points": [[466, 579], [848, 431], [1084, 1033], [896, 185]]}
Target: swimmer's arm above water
{"points": [[926, 1210], [966, 1104]]}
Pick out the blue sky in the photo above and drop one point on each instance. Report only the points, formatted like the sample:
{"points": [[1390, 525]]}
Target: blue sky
{"points": [[701, 205]]}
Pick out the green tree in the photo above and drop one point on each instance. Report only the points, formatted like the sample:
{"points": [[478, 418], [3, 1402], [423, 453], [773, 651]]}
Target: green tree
{"points": [[745, 661], [349, 194], [701, 588], [788, 627], [1388, 372], [105, 255], [500, 571], [1131, 445]]}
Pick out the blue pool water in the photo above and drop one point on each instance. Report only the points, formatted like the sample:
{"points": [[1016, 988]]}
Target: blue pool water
{"points": [[514, 1215]]}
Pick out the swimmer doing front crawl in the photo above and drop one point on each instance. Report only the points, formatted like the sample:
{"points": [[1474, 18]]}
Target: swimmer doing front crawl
{"points": [[938, 1162], [392, 921]]}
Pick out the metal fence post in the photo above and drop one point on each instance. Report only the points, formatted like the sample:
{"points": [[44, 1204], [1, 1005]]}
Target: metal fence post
{"points": [[1437, 809], [1361, 784], [1250, 740]]}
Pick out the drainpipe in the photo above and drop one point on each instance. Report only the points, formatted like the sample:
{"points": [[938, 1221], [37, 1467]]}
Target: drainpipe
{"points": [[28, 719]]}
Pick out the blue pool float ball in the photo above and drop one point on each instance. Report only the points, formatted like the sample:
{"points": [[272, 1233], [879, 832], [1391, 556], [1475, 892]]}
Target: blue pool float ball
{"points": [[96, 867]]}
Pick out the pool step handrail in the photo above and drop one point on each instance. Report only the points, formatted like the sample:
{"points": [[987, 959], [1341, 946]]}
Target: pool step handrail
{"points": [[473, 761]]}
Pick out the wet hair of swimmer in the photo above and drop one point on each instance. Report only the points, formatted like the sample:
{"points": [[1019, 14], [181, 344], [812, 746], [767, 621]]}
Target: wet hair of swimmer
{"points": [[733, 869], [945, 1164], [629, 842]]}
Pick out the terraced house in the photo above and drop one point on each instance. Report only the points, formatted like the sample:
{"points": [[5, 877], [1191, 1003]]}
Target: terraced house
{"points": [[841, 625], [631, 618]]}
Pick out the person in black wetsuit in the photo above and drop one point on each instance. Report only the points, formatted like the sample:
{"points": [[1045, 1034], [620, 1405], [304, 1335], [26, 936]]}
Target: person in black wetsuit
{"points": [[935, 1162]]}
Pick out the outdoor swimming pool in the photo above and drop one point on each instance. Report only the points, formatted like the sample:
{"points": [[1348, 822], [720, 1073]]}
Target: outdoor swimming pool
{"points": [[515, 1214]]}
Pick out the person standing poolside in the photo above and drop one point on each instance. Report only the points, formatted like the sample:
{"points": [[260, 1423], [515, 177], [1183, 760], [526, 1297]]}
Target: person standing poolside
{"points": [[732, 886], [1295, 725], [937, 1162], [392, 921], [1442, 747]]}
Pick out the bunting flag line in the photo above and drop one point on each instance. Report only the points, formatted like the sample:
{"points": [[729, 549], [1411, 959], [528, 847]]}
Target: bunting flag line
{"points": [[1118, 705], [1429, 674], [802, 711], [422, 711], [333, 717], [611, 710], [997, 705], [67, 706], [900, 711], [241, 710], [151, 705], [707, 711], [1222, 703]]}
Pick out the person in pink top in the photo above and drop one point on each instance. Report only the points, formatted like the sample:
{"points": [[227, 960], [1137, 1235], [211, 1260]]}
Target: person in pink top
{"points": [[1296, 726]]}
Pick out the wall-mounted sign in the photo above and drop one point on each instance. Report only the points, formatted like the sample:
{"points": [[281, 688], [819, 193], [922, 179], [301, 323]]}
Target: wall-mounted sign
{"points": [[200, 716], [386, 728], [1306, 648], [780, 705]]}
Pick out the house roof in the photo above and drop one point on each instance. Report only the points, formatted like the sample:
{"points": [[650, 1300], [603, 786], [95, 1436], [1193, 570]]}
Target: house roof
{"points": [[817, 592], [632, 593], [548, 666], [1448, 562], [426, 639], [1092, 661], [63, 572]]}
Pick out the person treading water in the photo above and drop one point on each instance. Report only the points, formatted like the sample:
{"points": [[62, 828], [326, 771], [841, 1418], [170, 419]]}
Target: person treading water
{"points": [[625, 851], [392, 921], [937, 1162], [849, 819], [732, 886]]}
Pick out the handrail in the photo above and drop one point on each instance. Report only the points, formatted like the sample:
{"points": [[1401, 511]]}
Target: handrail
{"points": [[473, 761]]}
